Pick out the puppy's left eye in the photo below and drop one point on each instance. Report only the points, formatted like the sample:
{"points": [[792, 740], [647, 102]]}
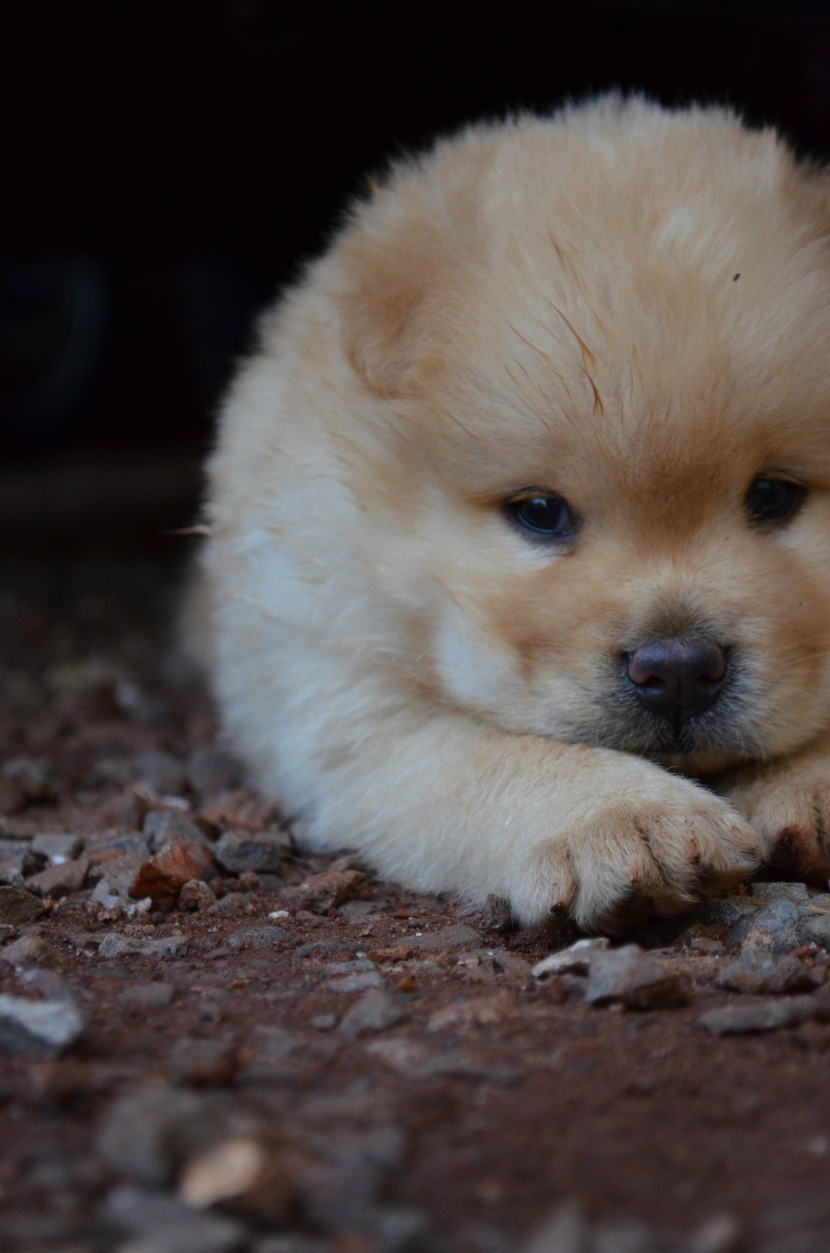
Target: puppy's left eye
{"points": [[774, 501], [543, 516]]}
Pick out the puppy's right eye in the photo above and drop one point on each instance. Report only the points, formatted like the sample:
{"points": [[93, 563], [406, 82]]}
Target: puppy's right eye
{"points": [[773, 501], [543, 516]]}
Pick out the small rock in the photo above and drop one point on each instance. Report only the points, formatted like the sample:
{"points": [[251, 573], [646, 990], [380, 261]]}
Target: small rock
{"points": [[705, 945], [724, 911], [149, 1133], [138, 705], [628, 1236], [109, 845], [375, 1011], [18, 906], [566, 1231], [346, 968], [262, 937], [13, 799], [632, 978], [12, 850], [210, 769], [342, 1193], [61, 879], [251, 1175], [11, 871], [497, 915], [238, 851], [745, 1017], [102, 896], [30, 950], [318, 947], [57, 847], [204, 1063], [196, 895], [457, 936], [381, 955], [125, 946], [721, 1234], [767, 973], [163, 877], [118, 874], [558, 989], [292, 1244], [7, 932], [415, 1059], [233, 904], [324, 1022], [239, 809], [511, 964], [358, 911], [777, 927], [168, 826], [357, 982], [250, 881], [38, 1028], [404, 1229], [161, 772], [575, 960], [766, 892], [163, 1224], [273, 1044], [35, 775], [817, 929], [147, 996], [478, 1011], [321, 892], [346, 861]]}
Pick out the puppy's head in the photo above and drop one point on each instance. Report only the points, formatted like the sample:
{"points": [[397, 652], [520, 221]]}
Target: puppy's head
{"points": [[595, 352]]}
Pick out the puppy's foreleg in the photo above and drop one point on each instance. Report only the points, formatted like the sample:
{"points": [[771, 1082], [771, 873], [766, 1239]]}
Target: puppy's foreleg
{"points": [[445, 803], [787, 802]]}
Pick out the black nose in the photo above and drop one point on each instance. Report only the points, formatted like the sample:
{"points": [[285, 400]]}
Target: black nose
{"points": [[677, 678]]}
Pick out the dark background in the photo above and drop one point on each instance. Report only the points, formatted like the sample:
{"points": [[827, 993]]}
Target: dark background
{"points": [[166, 165]]}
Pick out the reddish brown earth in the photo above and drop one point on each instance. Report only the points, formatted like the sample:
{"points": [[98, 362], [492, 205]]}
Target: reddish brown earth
{"points": [[465, 1105]]}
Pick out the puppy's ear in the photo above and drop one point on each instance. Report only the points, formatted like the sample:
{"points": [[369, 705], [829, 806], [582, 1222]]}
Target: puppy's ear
{"points": [[394, 299]]}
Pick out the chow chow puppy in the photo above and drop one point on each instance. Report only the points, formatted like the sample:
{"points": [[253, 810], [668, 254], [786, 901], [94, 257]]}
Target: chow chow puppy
{"points": [[519, 559]]}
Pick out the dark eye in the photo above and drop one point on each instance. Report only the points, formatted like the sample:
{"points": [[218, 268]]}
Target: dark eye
{"points": [[774, 500], [547, 517]]}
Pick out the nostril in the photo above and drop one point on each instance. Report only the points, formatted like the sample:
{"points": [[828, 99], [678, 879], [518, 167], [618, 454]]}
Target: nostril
{"points": [[695, 660], [703, 661], [709, 666], [649, 665]]}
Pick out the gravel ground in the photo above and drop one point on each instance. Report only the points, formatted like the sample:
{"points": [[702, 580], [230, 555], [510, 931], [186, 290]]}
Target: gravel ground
{"points": [[210, 1042]]}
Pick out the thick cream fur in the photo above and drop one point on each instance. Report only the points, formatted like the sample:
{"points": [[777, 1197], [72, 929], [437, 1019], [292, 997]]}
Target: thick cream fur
{"points": [[549, 303]]}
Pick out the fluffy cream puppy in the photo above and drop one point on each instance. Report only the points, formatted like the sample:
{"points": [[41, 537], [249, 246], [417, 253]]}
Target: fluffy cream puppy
{"points": [[519, 518]]}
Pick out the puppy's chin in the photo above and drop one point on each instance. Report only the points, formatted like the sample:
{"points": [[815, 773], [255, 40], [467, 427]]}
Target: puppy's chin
{"points": [[704, 746], [716, 738], [699, 761]]}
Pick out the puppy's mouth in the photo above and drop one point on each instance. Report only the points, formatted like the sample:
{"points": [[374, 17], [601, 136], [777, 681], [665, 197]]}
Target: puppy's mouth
{"points": [[683, 702]]}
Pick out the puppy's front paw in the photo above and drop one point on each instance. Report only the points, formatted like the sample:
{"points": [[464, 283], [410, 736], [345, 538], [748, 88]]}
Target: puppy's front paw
{"points": [[658, 851], [788, 806]]}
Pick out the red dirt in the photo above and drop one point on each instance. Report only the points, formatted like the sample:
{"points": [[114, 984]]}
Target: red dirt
{"points": [[482, 1123]]}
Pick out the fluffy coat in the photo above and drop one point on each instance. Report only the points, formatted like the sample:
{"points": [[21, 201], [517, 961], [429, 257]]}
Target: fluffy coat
{"points": [[621, 306]]}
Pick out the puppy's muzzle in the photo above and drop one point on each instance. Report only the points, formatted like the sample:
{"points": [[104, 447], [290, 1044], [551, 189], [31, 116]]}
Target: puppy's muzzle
{"points": [[677, 678]]}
